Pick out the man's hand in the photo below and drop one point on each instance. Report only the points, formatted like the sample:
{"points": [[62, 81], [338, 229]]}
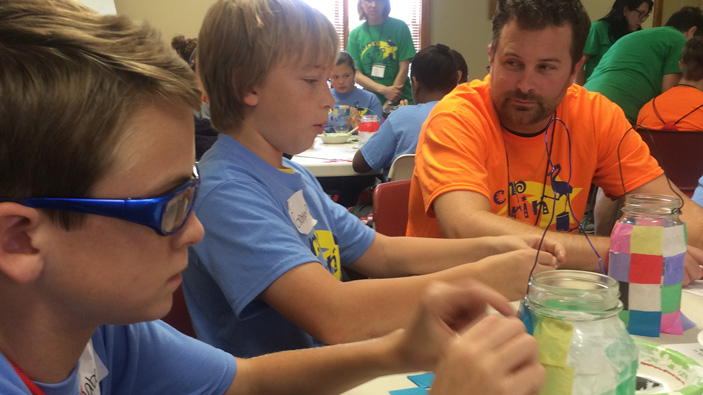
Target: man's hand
{"points": [[693, 265]]}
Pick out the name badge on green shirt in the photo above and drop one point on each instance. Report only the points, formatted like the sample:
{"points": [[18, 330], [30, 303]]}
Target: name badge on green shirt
{"points": [[378, 70]]}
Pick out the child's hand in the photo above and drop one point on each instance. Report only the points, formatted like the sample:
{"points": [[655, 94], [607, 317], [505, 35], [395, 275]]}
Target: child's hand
{"points": [[444, 310], [354, 117]]}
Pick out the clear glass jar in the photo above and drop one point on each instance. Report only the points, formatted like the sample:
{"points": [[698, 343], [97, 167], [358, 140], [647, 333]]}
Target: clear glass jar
{"points": [[367, 127], [583, 345], [647, 252], [340, 118]]}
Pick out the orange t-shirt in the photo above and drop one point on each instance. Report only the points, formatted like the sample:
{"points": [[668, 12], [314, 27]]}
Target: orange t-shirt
{"points": [[672, 105], [462, 147]]}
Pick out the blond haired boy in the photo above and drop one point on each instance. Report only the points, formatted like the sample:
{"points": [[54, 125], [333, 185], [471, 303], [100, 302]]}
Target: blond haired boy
{"points": [[267, 275]]}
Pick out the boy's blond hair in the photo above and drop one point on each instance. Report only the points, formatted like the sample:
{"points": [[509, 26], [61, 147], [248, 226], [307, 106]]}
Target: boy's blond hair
{"points": [[241, 40], [70, 82]]}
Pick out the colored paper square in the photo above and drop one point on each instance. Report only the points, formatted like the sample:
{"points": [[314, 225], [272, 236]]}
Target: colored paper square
{"points": [[560, 380], [646, 269], [619, 266], [423, 380], [674, 269], [644, 323], [647, 240], [671, 323], [671, 298], [674, 241], [645, 297], [625, 295], [620, 238], [526, 317], [554, 339], [686, 323]]}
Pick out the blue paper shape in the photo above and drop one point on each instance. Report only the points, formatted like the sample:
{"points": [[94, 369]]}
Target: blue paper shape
{"points": [[411, 391], [423, 380], [644, 323], [526, 318], [674, 269]]}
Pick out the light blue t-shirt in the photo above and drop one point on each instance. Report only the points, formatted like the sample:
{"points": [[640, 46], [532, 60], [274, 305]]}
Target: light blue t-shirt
{"points": [[397, 136], [361, 99], [259, 223], [144, 358], [698, 193]]}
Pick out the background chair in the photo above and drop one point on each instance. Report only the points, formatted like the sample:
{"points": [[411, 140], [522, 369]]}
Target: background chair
{"points": [[390, 207], [402, 168], [679, 153], [179, 317]]}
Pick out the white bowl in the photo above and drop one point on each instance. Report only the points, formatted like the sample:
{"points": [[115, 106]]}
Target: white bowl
{"points": [[334, 138]]}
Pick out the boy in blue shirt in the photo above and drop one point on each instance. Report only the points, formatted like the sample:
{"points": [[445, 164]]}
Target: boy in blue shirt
{"points": [[95, 222], [266, 276], [435, 72]]}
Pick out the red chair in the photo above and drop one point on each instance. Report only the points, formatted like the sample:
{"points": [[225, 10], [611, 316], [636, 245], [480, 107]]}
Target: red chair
{"points": [[390, 207], [179, 317], [679, 153]]}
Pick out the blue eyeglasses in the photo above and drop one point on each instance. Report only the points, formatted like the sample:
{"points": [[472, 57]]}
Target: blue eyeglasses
{"points": [[165, 214]]}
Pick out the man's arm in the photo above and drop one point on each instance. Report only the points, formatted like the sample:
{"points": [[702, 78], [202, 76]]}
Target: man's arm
{"points": [[359, 163], [402, 75], [468, 214], [443, 324]]}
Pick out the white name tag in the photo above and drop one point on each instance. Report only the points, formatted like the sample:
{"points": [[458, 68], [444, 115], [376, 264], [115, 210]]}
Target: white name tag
{"points": [[378, 70], [300, 213], [91, 371]]}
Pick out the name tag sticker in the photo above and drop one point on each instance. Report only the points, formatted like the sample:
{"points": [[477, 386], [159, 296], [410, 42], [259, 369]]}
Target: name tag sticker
{"points": [[91, 371], [378, 70], [300, 213]]}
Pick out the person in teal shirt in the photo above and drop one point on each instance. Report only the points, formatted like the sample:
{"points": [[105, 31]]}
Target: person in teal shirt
{"points": [[625, 17], [643, 64], [382, 48]]}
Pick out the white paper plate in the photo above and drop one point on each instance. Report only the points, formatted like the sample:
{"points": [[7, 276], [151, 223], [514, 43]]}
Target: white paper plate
{"points": [[665, 371]]}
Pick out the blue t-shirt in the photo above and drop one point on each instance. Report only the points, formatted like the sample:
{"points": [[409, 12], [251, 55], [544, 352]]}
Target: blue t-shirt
{"points": [[397, 136], [144, 358], [698, 193], [259, 223], [365, 101]]}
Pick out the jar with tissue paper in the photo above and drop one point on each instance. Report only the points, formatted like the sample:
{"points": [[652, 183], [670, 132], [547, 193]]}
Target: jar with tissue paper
{"points": [[647, 250], [583, 345]]}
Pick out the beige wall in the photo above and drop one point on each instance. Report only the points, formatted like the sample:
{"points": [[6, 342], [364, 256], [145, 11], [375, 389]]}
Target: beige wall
{"points": [[462, 24]]}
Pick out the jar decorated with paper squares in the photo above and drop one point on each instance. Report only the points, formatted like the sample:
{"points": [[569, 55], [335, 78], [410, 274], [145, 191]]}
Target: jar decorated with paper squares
{"points": [[647, 251], [583, 344]]}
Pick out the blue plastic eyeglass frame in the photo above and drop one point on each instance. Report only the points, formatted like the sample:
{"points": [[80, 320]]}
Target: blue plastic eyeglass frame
{"points": [[148, 212]]}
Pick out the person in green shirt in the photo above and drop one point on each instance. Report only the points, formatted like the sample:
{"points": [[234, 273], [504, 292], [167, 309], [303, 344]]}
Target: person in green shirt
{"points": [[382, 48], [625, 17], [643, 64]]}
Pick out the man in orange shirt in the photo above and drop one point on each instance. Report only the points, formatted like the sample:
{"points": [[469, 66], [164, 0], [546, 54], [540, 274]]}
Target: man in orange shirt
{"points": [[518, 151], [681, 107]]}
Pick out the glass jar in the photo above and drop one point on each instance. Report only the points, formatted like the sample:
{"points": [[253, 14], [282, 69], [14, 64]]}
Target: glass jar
{"points": [[340, 118], [647, 251], [367, 127], [583, 345]]}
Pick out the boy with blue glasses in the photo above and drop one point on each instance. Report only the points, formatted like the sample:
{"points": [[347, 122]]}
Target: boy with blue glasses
{"points": [[96, 150]]}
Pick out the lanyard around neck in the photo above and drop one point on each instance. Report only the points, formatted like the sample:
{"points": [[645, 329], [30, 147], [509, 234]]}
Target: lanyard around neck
{"points": [[33, 388]]}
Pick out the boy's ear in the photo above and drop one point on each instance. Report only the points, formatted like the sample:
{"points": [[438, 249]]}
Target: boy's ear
{"points": [[19, 260], [251, 98]]}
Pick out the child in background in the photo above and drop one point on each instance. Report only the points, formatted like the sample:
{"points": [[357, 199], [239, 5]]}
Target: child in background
{"points": [[345, 92], [435, 71], [83, 275], [266, 276]]}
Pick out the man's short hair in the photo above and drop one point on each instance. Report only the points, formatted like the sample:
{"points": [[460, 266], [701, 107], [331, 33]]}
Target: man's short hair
{"points": [[540, 14], [686, 18], [692, 59], [241, 40], [435, 67], [70, 82], [386, 8]]}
